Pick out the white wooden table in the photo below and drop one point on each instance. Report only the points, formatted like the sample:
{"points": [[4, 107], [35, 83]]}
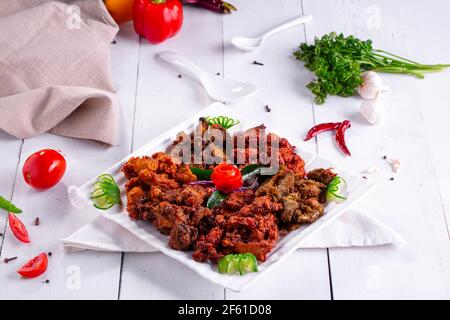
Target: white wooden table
{"points": [[416, 203]]}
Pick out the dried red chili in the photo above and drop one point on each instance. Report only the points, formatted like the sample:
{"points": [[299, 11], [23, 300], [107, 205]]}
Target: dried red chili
{"points": [[340, 128], [340, 136], [314, 131]]}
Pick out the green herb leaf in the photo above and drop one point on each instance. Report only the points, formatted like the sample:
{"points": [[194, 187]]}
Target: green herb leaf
{"points": [[8, 206], [223, 121], [339, 61], [202, 174], [215, 199]]}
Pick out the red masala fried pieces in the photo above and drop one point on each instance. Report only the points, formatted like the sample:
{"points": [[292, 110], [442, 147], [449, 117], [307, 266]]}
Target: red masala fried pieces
{"points": [[302, 199], [159, 190], [255, 139], [156, 192], [159, 163], [243, 224]]}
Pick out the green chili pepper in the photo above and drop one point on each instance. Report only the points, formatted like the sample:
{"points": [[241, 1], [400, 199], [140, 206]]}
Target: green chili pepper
{"points": [[224, 122], [105, 193], [336, 190], [8, 206], [241, 263], [248, 263]]}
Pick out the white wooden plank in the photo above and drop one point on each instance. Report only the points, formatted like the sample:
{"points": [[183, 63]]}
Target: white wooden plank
{"points": [[423, 39], [305, 274], [410, 203], [156, 276], [87, 275], [11, 147], [163, 100]]}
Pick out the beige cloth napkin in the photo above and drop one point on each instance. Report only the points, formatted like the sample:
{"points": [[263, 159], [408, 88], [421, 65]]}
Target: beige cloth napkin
{"points": [[55, 70]]}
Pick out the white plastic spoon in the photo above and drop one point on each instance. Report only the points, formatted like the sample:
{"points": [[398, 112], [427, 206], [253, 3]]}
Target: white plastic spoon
{"points": [[250, 44], [217, 88]]}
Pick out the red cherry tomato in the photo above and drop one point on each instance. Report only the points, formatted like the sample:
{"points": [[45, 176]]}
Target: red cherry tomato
{"points": [[35, 267], [18, 228], [44, 169], [226, 177]]}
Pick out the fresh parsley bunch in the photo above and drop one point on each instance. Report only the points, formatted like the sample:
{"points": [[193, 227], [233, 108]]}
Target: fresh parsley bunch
{"points": [[339, 61]]}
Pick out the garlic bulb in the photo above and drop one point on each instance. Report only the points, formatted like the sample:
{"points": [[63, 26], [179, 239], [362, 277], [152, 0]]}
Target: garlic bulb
{"points": [[373, 169], [372, 85], [373, 110], [395, 164]]}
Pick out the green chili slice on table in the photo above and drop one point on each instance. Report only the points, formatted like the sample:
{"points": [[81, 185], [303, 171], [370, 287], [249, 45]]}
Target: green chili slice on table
{"points": [[8, 206]]}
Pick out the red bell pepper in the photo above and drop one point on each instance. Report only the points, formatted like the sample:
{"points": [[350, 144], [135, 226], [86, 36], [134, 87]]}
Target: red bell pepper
{"points": [[157, 20]]}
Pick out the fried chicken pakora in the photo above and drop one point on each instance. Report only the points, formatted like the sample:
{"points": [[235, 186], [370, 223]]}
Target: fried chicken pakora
{"points": [[162, 190]]}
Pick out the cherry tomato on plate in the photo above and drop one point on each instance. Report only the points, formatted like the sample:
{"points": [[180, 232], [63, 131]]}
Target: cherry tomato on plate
{"points": [[35, 267], [226, 177], [44, 169], [18, 228]]}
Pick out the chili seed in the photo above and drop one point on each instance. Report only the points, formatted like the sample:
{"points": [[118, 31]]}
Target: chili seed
{"points": [[6, 260], [267, 108], [37, 221], [258, 63]]}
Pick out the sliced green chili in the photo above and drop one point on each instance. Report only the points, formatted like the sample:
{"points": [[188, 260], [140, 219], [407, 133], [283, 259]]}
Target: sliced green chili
{"points": [[8, 206]]}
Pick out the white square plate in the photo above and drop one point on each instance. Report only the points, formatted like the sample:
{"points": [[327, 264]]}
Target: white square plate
{"points": [[145, 230]]}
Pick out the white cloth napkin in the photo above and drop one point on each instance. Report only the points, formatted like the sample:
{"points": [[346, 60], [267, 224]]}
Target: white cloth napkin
{"points": [[353, 229]]}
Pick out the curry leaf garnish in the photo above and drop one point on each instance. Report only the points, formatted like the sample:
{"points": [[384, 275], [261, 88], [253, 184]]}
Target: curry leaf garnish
{"points": [[105, 193], [215, 199], [223, 121], [338, 62], [202, 174], [250, 171]]}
